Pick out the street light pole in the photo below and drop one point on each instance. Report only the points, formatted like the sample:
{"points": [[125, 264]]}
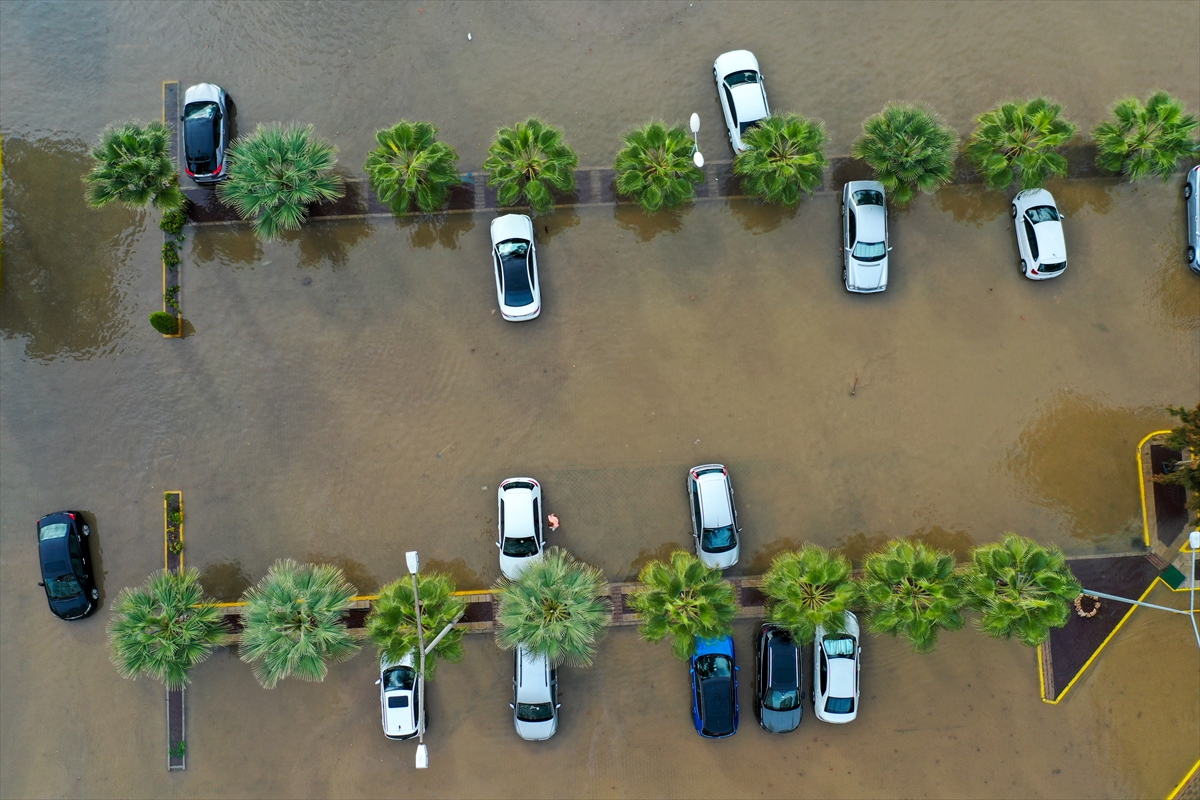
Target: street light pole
{"points": [[697, 158], [414, 566]]}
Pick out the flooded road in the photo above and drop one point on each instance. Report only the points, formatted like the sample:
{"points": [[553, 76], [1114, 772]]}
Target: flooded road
{"points": [[375, 409]]}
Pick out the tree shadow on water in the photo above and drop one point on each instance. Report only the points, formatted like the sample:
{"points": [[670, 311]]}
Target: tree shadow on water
{"points": [[972, 203], [1076, 195], [328, 242], [355, 571], [858, 546], [631, 217], [229, 244], [758, 217], [547, 226], [224, 581], [443, 230]]}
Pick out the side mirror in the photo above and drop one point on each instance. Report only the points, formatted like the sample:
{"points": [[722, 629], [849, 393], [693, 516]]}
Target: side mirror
{"points": [[889, 249], [510, 705], [497, 544], [377, 683], [41, 584], [737, 669], [558, 705]]}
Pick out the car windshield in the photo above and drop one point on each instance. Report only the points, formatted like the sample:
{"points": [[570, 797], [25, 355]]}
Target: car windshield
{"points": [[870, 251], [201, 111], [718, 540], [782, 699], [56, 531], [520, 548], [514, 255], [1042, 214], [714, 665], [399, 679], [840, 647], [839, 705], [868, 197], [63, 587], [744, 76], [535, 712]]}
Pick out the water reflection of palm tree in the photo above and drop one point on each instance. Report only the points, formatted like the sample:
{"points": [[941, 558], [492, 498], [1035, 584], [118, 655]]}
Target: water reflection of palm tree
{"points": [[684, 600]]}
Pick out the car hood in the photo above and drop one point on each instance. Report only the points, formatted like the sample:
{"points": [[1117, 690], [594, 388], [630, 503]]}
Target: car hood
{"points": [[735, 61], [202, 92], [73, 607], [1052, 248], [780, 721], [720, 560], [867, 275], [512, 567], [511, 226], [536, 731]]}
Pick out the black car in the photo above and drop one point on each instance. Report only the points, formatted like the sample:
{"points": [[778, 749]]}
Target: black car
{"points": [[777, 693], [205, 132], [66, 565]]}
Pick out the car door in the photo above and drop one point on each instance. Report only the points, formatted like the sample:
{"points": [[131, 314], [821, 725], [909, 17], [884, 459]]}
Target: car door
{"points": [[696, 516], [537, 523], [500, 530], [78, 562], [531, 265], [499, 273], [851, 232], [731, 118], [1031, 238]]}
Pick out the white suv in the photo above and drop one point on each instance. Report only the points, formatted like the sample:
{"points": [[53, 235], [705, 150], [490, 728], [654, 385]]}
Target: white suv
{"points": [[535, 696], [714, 516], [1039, 235], [519, 515], [400, 698]]}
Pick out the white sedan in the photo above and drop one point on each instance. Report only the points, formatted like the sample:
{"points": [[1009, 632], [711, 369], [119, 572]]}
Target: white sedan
{"points": [[1039, 235], [837, 659], [742, 93], [515, 259], [864, 237], [520, 539]]}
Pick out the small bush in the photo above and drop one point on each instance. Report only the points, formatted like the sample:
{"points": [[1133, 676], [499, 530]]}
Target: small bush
{"points": [[172, 223], [164, 323], [170, 254]]}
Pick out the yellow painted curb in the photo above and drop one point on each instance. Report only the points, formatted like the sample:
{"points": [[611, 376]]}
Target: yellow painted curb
{"points": [[1182, 783], [1141, 486], [1103, 644], [1042, 676], [359, 598]]}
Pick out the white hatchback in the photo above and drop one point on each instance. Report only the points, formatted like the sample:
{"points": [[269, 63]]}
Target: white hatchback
{"points": [[1191, 206], [742, 94], [1039, 235], [837, 660], [519, 515], [864, 237], [535, 696], [514, 257], [714, 516], [400, 699]]}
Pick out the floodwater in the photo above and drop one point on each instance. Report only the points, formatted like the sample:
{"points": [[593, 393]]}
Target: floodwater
{"points": [[374, 409]]}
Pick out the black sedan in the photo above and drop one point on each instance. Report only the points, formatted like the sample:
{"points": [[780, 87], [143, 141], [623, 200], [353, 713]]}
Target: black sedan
{"points": [[205, 132], [66, 565], [777, 695]]}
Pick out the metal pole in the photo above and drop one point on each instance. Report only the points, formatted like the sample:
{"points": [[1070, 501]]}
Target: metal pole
{"points": [[445, 630], [1134, 602], [422, 751]]}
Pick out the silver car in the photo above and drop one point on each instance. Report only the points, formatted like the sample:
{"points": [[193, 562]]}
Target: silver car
{"points": [[1039, 235], [514, 257], [535, 696], [864, 237], [742, 93], [714, 516], [205, 132], [1191, 198]]}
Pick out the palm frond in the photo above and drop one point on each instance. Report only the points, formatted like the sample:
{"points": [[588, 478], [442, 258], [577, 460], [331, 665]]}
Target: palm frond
{"points": [[527, 161], [1016, 141], [1021, 589], [410, 167], [910, 148], [683, 599], [808, 588], [1145, 140], [655, 167], [133, 166], [912, 591], [392, 623]]}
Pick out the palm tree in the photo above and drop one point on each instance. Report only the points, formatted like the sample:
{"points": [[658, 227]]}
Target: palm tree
{"points": [[1016, 142], [392, 623], [655, 166], [410, 166], [910, 148], [164, 628], [293, 622], [912, 591], [1145, 140], [558, 608], [807, 588], [685, 600], [1022, 589], [786, 158], [528, 160], [134, 166], [276, 173]]}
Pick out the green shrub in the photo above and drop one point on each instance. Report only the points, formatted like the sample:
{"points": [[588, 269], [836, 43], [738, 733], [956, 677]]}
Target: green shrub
{"points": [[172, 223], [170, 254], [171, 298], [164, 323]]}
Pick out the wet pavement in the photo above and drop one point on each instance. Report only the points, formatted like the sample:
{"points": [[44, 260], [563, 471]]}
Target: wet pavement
{"points": [[374, 409]]}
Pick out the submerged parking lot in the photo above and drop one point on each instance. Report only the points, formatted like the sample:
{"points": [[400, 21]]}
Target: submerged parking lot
{"points": [[349, 393]]}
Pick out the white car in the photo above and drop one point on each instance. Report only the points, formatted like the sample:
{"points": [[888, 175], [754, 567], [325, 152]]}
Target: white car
{"points": [[400, 699], [714, 516], [864, 237], [515, 258], [535, 696], [837, 659], [1191, 204], [1039, 235], [742, 93], [519, 515]]}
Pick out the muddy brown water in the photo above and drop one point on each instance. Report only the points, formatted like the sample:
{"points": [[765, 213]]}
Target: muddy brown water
{"points": [[375, 409]]}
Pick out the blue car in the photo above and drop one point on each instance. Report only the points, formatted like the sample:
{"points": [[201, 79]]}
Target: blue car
{"points": [[714, 688]]}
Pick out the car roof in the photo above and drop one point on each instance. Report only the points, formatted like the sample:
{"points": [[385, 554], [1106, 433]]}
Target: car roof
{"points": [[518, 513], [1051, 245], [533, 677], [841, 677], [871, 222], [785, 661], [714, 500], [748, 98], [511, 226], [717, 705]]}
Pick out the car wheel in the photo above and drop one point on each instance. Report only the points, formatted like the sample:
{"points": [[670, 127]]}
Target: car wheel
{"points": [[1191, 255], [1022, 266], [1187, 190], [1014, 210], [95, 593], [87, 531]]}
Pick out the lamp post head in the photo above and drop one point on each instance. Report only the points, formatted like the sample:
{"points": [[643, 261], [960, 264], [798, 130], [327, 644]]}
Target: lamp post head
{"points": [[698, 159], [422, 757], [1194, 540], [414, 562], [695, 122]]}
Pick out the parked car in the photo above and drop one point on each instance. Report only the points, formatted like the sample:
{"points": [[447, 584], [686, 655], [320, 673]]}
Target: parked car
{"points": [[514, 255], [65, 556], [520, 537], [864, 237], [779, 677], [714, 515], [1039, 235], [837, 661], [714, 688], [205, 132], [1191, 197], [400, 698], [742, 93], [535, 696]]}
